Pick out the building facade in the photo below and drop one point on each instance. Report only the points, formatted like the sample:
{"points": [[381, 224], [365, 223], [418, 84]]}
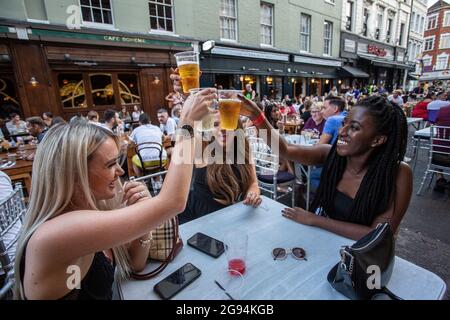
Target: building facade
{"points": [[71, 56], [374, 41], [279, 47], [435, 57], [416, 40]]}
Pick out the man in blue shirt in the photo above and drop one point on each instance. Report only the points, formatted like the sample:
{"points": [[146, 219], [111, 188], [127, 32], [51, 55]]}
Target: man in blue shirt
{"points": [[334, 113]]}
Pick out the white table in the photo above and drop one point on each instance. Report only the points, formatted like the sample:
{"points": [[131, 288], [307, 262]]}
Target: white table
{"points": [[415, 122], [419, 135], [266, 279]]}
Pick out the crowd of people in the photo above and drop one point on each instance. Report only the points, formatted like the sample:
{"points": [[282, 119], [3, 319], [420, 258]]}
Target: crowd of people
{"points": [[81, 212]]}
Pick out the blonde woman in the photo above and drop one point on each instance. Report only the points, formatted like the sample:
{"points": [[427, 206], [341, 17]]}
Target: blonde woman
{"points": [[75, 220], [216, 183]]}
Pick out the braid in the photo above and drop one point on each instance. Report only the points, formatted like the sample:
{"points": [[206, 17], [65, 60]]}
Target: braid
{"points": [[378, 186]]}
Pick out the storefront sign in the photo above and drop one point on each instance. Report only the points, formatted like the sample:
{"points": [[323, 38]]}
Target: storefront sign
{"points": [[106, 38], [380, 52]]}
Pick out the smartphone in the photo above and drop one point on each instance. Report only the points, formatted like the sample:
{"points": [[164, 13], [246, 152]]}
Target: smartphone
{"points": [[206, 244], [177, 281]]}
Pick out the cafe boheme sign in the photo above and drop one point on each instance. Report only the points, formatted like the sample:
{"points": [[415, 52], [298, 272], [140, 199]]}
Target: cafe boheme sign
{"points": [[380, 52], [124, 39]]}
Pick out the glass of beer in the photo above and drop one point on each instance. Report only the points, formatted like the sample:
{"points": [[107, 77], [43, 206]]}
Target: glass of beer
{"points": [[207, 123], [189, 68], [229, 109]]}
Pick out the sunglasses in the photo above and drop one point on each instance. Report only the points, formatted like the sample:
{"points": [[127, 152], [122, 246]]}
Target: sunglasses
{"points": [[281, 253]]}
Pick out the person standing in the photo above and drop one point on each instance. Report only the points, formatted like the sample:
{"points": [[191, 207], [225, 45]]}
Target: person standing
{"points": [[249, 92]]}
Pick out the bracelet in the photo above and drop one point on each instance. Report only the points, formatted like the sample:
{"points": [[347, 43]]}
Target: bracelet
{"points": [[259, 120]]}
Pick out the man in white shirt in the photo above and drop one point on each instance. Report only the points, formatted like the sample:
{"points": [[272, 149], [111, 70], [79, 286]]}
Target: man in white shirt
{"points": [[396, 98], [147, 132], [436, 105], [167, 125]]}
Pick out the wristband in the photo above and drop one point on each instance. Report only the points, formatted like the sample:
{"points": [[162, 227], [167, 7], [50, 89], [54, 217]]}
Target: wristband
{"points": [[259, 120]]}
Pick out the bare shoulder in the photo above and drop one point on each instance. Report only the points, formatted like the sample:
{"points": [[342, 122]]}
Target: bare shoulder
{"points": [[404, 173]]}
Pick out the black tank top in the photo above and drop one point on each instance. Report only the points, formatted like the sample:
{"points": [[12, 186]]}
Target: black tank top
{"points": [[97, 283], [343, 206]]}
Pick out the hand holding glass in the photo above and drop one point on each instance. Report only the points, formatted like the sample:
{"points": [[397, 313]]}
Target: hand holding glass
{"points": [[189, 68]]}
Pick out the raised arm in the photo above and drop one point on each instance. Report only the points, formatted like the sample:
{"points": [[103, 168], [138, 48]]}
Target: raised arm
{"points": [[393, 215], [79, 233], [305, 155]]}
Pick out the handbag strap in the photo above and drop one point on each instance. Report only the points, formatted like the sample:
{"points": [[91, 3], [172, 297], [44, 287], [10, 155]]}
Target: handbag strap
{"points": [[169, 258]]}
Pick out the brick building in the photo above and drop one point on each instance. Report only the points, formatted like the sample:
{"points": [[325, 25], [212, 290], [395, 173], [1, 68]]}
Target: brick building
{"points": [[436, 53]]}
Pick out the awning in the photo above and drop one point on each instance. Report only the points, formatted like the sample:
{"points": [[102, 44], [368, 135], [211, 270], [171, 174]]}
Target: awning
{"points": [[387, 63], [348, 71]]}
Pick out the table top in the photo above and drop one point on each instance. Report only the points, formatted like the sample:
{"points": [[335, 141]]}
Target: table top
{"points": [[266, 279]]}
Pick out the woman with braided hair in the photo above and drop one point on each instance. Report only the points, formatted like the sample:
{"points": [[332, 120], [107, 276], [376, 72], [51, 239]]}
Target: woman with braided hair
{"points": [[364, 181]]}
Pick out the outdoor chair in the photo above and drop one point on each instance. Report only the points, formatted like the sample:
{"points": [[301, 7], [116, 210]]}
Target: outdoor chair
{"points": [[439, 148], [154, 166], [12, 210], [153, 181], [270, 179]]}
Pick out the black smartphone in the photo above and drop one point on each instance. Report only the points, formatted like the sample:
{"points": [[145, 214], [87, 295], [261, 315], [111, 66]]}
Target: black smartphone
{"points": [[206, 244], [177, 281]]}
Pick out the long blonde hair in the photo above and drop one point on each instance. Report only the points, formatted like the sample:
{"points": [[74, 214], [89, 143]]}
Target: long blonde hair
{"points": [[60, 169]]}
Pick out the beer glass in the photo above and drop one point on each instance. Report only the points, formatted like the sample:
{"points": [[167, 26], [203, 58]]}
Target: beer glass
{"points": [[207, 123], [189, 68], [229, 108]]}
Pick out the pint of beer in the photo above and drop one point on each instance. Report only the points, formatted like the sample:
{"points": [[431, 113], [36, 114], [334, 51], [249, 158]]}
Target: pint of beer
{"points": [[188, 66], [207, 123], [229, 109]]}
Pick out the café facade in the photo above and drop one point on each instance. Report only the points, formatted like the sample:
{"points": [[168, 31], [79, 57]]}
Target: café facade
{"points": [[271, 73], [46, 68], [369, 62]]}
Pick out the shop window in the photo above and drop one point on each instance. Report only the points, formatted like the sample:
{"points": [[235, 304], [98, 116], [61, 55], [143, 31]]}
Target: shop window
{"points": [[102, 89], [72, 90], [129, 88], [9, 102]]}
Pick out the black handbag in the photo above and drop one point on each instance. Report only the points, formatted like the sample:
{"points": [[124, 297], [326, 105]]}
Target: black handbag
{"points": [[366, 267]]}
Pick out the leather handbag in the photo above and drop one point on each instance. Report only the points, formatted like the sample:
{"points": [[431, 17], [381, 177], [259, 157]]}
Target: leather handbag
{"points": [[366, 267], [165, 245]]}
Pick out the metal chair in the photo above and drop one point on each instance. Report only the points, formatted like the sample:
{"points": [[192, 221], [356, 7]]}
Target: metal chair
{"points": [[439, 149], [150, 146], [12, 210], [153, 181], [270, 178]]}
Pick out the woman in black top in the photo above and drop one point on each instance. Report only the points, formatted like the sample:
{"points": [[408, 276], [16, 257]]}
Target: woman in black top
{"points": [[217, 184], [364, 181]]}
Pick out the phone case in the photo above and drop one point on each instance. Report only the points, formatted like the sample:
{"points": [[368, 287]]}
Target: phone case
{"points": [[189, 242], [162, 294]]}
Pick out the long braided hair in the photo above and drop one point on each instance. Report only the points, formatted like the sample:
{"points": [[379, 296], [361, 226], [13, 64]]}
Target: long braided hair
{"points": [[377, 188]]}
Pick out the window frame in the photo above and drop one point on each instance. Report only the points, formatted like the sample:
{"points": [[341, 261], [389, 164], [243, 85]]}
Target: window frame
{"points": [[441, 42], [309, 20], [271, 26], [435, 17], [98, 25], [86, 76], [433, 38], [228, 18], [440, 56], [330, 39], [157, 17]]}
